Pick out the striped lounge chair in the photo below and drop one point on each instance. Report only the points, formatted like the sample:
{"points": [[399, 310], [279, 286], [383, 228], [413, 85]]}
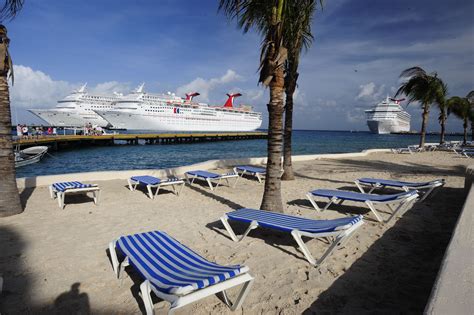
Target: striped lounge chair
{"points": [[153, 182], [210, 177], [339, 230], [174, 272], [59, 191], [425, 188], [258, 172], [394, 202]]}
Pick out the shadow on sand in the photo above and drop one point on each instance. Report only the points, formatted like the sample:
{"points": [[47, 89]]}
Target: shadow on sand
{"points": [[397, 272]]}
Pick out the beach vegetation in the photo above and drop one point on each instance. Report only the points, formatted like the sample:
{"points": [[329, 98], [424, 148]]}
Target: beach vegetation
{"points": [[470, 98], [421, 87], [443, 109], [9, 196], [297, 37], [267, 18], [461, 108]]}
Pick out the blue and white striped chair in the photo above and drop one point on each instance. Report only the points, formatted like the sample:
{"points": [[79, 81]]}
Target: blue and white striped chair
{"points": [[426, 188], [258, 172], [59, 191], [153, 182], [174, 272], [402, 200], [210, 177], [340, 230]]}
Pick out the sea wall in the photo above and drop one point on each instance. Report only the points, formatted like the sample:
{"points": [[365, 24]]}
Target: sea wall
{"points": [[453, 291], [30, 182]]}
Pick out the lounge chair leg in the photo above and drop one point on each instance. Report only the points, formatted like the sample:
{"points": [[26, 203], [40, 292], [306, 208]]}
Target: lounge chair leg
{"points": [[130, 185], [157, 190], [210, 183], [60, 196], [331, 201], [113, 257], [145, 290], [240, 298], [402, 207], [150, 193], [235, 238], [313, 202], [181, 189], [235, 183], [359, 186], [96, 194], [258, 177], [297, 236], [51, 192], [374, 211]]}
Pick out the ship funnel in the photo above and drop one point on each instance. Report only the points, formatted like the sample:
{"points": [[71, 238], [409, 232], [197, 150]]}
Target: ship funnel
{"points": [[230, 100], [190, 96]]}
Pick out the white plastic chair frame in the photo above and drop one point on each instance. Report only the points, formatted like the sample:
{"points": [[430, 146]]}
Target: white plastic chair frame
{"points": [[60, 195], [241, 173], [336, 238], [132, 185], [402, 205], [425, 194], [190, 179], [178, 301]]}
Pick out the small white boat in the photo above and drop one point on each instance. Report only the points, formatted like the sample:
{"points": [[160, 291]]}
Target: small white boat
{"points": [[29, 155]]}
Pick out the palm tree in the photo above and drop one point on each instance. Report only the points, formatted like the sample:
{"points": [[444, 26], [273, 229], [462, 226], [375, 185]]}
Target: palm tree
{"points": [[9, 196], [443, 109], [461, 108], [267, 17], [423, 88], [470, 98], [297, 35]]}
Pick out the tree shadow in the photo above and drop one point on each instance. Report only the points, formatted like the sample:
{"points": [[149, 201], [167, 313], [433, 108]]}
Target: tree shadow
{"points": [[25, 194], [208, 193], [397, 272]]}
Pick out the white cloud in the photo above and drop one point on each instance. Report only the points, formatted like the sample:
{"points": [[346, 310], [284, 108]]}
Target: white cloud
{"points": [[204, 86], [370, 92]]}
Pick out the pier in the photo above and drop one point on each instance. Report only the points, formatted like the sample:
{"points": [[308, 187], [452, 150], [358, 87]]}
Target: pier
{"points": [[70, 141]]}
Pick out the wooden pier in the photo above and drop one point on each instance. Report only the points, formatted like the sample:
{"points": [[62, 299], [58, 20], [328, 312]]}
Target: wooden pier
{"points": [[71, 141]]}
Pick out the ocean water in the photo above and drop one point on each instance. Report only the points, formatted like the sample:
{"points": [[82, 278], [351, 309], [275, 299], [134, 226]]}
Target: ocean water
{"points": [[129, 157]]}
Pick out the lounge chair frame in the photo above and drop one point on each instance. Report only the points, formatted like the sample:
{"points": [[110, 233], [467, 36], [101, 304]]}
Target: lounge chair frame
{"points": [[132, 185], [60, 195], [336, 238], [191, 178], [398, 205], [178, 301], [259, 175], [430, 187]]}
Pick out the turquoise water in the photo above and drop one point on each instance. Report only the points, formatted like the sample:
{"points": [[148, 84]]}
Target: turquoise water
{"points": [[127, 157]]}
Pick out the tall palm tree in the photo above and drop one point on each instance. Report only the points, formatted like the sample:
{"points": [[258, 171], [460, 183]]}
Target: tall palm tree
{"points": [[9, 196], [267, 17], [443, 109], [461, 108], [297, 35], [420, 87], [470, 98]]}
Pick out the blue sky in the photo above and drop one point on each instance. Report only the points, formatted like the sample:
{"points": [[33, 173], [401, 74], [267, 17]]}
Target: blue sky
{"points": [[360, 48]]}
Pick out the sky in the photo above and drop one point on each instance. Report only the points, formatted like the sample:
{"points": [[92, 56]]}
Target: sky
{"points": [[360, 48]]}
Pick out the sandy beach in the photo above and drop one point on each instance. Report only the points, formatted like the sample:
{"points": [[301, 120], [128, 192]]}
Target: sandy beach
{"points": [[54, 261]]}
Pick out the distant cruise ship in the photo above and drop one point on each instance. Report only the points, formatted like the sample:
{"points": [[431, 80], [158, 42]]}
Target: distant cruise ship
{"points": [[77, 109], [387, 117], [168, 112]]}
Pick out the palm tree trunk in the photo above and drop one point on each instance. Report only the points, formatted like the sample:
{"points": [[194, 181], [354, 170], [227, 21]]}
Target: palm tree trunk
{"points": [[443, 128], [426, 112], [465, 125], [9, 196], [287, 163], [272, 195]]}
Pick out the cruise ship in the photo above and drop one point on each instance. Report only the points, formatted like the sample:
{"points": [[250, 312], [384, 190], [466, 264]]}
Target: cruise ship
{"points": [[77, 109], [387, 117], [167, 112]]}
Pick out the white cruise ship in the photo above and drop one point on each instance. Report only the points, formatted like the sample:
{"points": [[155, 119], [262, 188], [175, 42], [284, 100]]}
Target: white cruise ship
{"points": [[77, 109], [387, 117], [168, 112]]}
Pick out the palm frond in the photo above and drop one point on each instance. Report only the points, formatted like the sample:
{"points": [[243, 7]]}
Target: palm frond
{"points": [[10, 9]]}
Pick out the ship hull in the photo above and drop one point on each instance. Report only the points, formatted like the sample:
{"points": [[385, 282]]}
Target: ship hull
{"points": [[387, 126], [129, 121]]}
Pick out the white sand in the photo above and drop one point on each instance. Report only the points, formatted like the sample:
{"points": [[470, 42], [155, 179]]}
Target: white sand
{"points": [[384, 268]]}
